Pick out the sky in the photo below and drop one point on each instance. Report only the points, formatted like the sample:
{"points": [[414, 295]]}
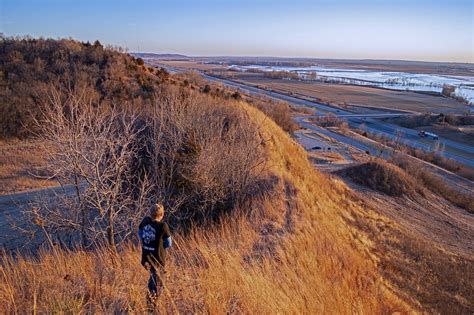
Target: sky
{"points": [[431, 30]]}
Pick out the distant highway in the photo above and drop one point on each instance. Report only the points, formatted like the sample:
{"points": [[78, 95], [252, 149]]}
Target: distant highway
{"points": [[374, 149], [362, 116], [456, 151], [301, 121]]}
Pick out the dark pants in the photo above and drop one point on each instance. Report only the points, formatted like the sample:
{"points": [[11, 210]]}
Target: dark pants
{"points": [[155, 283]]}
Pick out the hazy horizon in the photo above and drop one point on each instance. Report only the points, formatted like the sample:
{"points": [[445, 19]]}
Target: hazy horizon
{"points": [[295, 57], [401, 30]]}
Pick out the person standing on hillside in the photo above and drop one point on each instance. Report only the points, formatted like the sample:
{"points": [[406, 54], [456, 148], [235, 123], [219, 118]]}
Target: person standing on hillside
{"points": [[155, 238]]}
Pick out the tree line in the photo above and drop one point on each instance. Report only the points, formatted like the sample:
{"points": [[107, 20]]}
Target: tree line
{"points": [[29, 66]]}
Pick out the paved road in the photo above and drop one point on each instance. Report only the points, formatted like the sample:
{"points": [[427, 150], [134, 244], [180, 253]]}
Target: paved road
{"points": [[453, 150], [374, 148], [363, 116], [11, 206], [341, 138]]}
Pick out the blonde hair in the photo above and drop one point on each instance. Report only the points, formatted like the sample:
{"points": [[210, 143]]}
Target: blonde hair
{"points": [[157, 211]]}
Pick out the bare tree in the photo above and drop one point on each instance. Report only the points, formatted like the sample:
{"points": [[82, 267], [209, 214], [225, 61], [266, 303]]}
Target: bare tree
{"points": [[204, 154], [199, 156], [93, 153]]}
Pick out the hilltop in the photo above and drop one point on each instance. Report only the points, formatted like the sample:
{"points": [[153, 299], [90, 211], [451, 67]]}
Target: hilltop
{"points": [[297, 233], [290, 225], [30, 68], [257, 229]]}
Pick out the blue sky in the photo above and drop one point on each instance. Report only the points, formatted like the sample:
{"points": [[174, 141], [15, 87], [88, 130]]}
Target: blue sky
{"points": [[397, 29]]}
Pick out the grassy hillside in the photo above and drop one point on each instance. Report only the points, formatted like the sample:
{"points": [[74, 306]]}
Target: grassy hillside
{"points": [[254, 233], [288, 250], [256, 228]]}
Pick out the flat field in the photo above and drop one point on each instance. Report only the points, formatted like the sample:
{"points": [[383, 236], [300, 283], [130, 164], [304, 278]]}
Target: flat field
{"points": [[359, 97], [354, 97], [191, 65], [23, 167]]}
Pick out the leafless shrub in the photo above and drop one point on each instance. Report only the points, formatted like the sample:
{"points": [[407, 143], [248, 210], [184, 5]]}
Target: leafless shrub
{"points": [[190, 77], [382, 176], [205, 156], [200, 156], [281, 75], [448, 90], [329, 121], [254, 70], [280, 112], [95, 153]]}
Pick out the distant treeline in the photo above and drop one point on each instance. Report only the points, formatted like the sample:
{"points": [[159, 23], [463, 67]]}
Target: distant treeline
{"points": [[281, 75], [30, 67]]}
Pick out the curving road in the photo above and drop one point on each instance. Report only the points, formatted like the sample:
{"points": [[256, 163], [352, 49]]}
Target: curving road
{"points": [[453, 150]]}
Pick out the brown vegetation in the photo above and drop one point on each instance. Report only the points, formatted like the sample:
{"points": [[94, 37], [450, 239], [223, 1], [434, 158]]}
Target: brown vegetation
{"points": [[435, 183], [294, 232], [29, 66], [426, 177], [281, 75], [23, 166], [402, 176], [448, 164], [280, 112], [426, 249], [413, 254], [275, 218], [256, 228], [429, 120], [330, 121], [199, 155], [435, 157], [382, 176], [448, 90]]}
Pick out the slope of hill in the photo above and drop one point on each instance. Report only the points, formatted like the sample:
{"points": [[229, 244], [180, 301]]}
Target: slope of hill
{"points": [[290, 250], [298, 242], [425, 247]]}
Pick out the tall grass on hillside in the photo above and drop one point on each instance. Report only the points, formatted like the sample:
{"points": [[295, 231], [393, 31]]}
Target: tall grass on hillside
{"points": [[383, 176], [435, 183], [287, 251]]}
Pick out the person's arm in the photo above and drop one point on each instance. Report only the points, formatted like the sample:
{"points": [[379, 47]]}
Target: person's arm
{"points": [[167, 241], [140, 234]]}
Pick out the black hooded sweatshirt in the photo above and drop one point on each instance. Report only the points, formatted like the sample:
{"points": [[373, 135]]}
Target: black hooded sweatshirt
{"points": [[152, 233]]}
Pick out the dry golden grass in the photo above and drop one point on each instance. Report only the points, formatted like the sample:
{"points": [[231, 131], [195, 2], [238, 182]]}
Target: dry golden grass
{"points": [[383, 176], [291, 251], [435, 183], [424, 247], [21, 164], [326, 157]]}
